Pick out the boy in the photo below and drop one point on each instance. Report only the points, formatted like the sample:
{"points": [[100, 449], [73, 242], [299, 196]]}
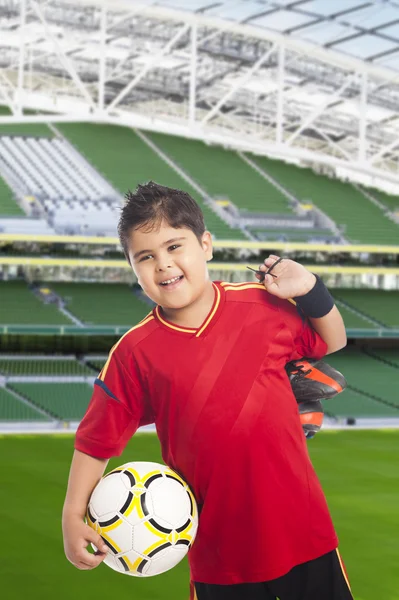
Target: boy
{"points": [[207, 367]]}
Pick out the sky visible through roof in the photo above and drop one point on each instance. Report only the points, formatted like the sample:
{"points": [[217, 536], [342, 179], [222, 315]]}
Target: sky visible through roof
{"points": [[368, 30]]}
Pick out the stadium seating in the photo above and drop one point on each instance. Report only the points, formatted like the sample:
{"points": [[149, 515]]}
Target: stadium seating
{"points": [[368, 375], [25, 366], [353, 320], [223, 173], [351, 403], [362, 221], [62, 400], [19, 306], [125, 160], [391, 202], [11, 409], [388, 355], [378, 304], [99, 304], [8, 206]]}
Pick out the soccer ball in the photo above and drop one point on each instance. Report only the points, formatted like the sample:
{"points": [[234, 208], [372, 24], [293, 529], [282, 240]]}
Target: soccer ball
{"points": [[147, 516]]}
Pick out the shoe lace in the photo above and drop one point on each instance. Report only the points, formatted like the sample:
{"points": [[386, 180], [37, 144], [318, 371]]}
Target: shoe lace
{"points": [[298, 370]]}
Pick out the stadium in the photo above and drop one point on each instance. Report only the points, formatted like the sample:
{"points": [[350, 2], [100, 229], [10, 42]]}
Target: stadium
{"points": [[281, 119]]}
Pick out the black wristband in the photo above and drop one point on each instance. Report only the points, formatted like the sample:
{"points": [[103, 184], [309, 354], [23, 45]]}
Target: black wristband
{"points": [[317, 303]]}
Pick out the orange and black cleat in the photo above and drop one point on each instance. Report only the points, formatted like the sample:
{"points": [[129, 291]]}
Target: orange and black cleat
{"points": [[311, 416], [312, 380]]}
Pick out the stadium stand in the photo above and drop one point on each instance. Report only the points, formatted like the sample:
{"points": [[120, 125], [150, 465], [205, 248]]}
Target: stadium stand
{"points": [[30, 367], [132, 162], [67, 402], [368, 376], [19, 306], [223, 173], [11, 409], [353, 319], [391, 202], [352, 403], [96, 303], [390, 356], [361, 220], [8, 205], [381, 305]]}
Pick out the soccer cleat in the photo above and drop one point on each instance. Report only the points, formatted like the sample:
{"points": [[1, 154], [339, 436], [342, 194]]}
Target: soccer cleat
{"points": [[311, 415], [313, 380]]}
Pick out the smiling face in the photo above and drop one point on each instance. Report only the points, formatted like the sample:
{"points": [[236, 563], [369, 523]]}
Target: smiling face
{"points": [[170, 265]]}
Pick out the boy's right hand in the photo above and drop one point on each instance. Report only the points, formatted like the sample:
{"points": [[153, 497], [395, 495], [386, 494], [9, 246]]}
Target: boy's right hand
{"points": [[77, 536]]}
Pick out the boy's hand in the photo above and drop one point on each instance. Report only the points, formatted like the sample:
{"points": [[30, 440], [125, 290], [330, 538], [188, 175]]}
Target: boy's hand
{"points": [[77, 536], [290, 278]]}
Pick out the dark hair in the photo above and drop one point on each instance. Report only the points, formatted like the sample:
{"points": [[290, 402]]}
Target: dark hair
{"points": [[152, 203]]}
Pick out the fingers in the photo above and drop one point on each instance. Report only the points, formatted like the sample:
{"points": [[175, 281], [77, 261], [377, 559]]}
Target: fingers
{"points": [[86, 561], [96, 539], [267, 265]]}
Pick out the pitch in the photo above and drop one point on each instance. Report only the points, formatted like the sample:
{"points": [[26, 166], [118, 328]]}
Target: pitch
{"points": [[358, 471]]}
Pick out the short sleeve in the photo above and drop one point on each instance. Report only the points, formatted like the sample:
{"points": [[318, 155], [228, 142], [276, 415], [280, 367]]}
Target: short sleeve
{"points": [[116, 409], [306, 341]]}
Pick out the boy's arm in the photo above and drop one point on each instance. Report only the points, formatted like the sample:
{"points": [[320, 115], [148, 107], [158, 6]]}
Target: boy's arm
{"points": [[331, 329], [292, 280], [85, 473]]}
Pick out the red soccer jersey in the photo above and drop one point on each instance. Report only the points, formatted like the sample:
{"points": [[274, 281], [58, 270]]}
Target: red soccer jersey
{"points": [[228, 422]]}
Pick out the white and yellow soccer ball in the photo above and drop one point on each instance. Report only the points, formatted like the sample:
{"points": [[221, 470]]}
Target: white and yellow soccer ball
{"points": [[147, 516]]}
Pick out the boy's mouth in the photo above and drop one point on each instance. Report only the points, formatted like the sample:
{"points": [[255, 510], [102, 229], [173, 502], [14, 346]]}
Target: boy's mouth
{"points": [[172, 281]]}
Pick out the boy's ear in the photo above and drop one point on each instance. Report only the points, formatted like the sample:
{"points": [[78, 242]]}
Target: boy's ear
{"points": [[207, 245]]}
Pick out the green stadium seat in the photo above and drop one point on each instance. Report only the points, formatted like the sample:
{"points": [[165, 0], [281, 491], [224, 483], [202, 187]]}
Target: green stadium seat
{"points": [[12, 409], [19, 306], [367, 375], [67, 401], [362, 220], [100, 304], [379, 304], [132, 162], [391, 202], [40, 367], [353, 320], [8, 205], [354, 404], [223, 173]]}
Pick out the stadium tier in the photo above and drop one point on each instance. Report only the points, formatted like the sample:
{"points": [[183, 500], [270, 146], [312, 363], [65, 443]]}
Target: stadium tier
{"points": [[63, 401], [99, 304], [24, 366], [387, 355], [355, 404], [19, 306], [371, 393], [224, 174], [125, 160], [8, 206], [353, 319], [362, 221], [383, 306], [390, 202], [368, 376], [12, 409]]}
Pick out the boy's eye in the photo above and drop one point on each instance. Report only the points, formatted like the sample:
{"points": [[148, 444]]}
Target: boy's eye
{"points": [[174, 246], [146, 257]]}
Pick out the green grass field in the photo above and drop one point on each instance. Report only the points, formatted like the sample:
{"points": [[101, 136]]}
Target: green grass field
{"points": [[358, 470]]}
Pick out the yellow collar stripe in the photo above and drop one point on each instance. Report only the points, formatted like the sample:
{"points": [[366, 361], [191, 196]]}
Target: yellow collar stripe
{"points": [[209, 319], [175, 327]]}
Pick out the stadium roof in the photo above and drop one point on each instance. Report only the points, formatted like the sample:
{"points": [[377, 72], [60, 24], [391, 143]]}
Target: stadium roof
{"points": [[315, 81], [365, 30]]}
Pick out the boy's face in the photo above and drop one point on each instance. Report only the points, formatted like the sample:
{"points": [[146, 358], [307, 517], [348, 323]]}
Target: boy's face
{"points": [[170, 264]]}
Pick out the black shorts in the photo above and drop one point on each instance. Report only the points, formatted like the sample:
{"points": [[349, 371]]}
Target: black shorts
{"points": [[323, 578]]}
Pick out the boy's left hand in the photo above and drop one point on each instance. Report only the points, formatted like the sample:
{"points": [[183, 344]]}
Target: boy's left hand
{"points": [[290, 278]]}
